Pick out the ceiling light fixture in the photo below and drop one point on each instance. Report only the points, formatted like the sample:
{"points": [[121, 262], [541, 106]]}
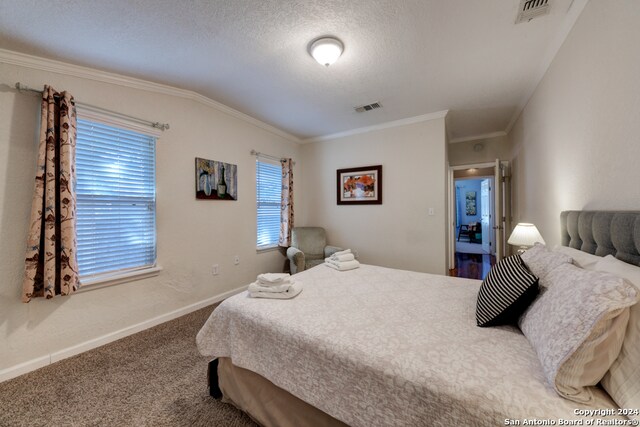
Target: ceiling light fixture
{"points": [[326, 50]]}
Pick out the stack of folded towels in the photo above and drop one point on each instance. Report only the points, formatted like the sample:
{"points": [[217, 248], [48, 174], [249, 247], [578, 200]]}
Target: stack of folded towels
{"points": [[275, 285], [342, 261]]}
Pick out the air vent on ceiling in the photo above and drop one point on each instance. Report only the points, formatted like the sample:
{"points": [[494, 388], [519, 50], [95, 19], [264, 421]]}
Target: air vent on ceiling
{"points": [[530, 9], [368, 107]]}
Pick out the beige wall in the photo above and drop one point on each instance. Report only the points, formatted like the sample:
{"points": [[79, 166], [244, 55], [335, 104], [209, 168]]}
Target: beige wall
{"points": [[192, 235], [463, 153], [575, 146], [399, 233]]}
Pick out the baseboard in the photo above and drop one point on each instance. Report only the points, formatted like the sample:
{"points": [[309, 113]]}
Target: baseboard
{"points": [[23, 368], [33, 364]]}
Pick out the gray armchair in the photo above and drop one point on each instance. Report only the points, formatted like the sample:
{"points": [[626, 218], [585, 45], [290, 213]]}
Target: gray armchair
{"points": [[308, 248]]}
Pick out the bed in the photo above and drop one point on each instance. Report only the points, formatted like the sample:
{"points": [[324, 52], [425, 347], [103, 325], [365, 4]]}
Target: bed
{"points": [[382, 347]]}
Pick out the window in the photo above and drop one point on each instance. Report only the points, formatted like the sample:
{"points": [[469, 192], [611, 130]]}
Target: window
{"points": [[268, 190], [116, 195]]}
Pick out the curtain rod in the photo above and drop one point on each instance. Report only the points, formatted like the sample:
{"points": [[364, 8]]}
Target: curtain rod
{"points": [[259, 154], [156, 125]]}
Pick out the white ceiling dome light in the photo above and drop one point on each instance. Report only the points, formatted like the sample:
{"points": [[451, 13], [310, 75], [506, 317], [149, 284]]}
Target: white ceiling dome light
{"points": [[326, 50]]}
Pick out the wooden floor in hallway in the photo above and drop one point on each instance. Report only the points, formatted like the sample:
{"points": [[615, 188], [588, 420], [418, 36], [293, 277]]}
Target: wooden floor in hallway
{"points": [[472, 266]]}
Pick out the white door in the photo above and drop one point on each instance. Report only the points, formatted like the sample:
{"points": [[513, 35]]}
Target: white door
{"points": [[498, 212], [485, 214]]}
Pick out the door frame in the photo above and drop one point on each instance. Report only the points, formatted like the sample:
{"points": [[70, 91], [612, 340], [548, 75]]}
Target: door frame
{"points": [[497, 222]]}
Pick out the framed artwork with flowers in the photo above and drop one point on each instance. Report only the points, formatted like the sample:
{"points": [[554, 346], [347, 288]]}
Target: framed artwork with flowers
{"points": [[360, 186]]}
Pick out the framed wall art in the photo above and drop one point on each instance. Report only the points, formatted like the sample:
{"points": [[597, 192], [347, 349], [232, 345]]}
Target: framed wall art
{"points": [[216, 180], [360, 186], [471, 203]]}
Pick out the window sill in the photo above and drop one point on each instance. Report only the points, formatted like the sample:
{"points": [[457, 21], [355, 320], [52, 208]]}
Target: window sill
{"points": [[267, 249], [109, 279]]}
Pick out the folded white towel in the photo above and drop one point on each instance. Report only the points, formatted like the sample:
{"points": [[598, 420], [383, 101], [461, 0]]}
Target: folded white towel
{"points": [[346, 251], [336, 262], [343, 257], [286, 282], [257, 287], [343, 266], [293, 290], [267, 279]]}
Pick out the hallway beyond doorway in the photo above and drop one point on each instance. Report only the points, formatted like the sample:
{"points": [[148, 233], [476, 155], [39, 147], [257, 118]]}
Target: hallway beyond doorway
{"points": [[472, 266], [470, 248]]}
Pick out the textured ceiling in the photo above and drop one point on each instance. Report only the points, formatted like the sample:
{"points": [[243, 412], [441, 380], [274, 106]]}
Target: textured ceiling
{"points": [[413, 56]]}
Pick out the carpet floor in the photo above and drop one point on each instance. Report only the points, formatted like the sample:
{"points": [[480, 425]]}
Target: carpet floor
{"points": [[152, 378]]}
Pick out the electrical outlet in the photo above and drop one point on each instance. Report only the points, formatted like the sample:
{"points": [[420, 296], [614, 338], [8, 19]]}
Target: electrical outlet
{"points": [[215, 269], [355, 253], [236, 260], [432, 211]]}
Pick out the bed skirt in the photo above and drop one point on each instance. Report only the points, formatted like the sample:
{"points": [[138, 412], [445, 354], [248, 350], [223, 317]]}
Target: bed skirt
{"points": [[266, 403]]}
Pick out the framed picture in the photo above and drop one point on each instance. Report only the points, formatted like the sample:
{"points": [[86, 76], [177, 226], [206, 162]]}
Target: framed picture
{"points": [[360, 186], [471, 203], [216, 180]]}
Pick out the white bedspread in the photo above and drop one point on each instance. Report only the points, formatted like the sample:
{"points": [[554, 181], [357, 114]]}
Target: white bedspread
{"points": [[382, 347]]}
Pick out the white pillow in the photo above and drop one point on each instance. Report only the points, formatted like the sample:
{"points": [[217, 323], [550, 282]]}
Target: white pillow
{"points": [[622, 381], [541, 261], [577, 326], [581, 259]]}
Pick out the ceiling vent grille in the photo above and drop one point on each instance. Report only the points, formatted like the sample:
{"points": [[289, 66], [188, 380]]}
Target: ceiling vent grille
{"points": [[530, 9], [368, 107]]}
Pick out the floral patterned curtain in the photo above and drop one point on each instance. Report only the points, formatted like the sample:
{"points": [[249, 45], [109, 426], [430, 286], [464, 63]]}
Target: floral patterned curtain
{"points": [[286, 203], [51, 266]]}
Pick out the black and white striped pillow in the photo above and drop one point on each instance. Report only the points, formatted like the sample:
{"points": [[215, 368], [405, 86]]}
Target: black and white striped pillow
{"points": [[505, 293]]}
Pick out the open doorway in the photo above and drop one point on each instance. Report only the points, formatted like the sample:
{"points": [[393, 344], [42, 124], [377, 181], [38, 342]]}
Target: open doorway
{"points": [[474, 246], [474, 220], [478, 196]]}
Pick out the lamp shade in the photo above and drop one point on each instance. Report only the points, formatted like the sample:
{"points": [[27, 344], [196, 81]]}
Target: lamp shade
{"points": [[326, 50], [525, 234]]}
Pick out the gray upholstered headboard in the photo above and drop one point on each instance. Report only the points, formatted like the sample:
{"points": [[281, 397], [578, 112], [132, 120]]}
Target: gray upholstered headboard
{"points": [[603, 233]]}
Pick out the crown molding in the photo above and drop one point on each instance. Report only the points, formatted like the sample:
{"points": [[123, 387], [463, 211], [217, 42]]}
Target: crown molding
{"points": [[59, 67], [476, 137], [386, 125]]}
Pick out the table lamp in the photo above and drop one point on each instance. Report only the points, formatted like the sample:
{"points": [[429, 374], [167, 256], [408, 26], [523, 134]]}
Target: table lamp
{"points": [[525, 235]]}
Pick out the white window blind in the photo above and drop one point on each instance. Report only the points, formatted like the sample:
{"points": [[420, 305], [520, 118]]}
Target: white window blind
{"points": [[268, 190], [116, 210]]}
